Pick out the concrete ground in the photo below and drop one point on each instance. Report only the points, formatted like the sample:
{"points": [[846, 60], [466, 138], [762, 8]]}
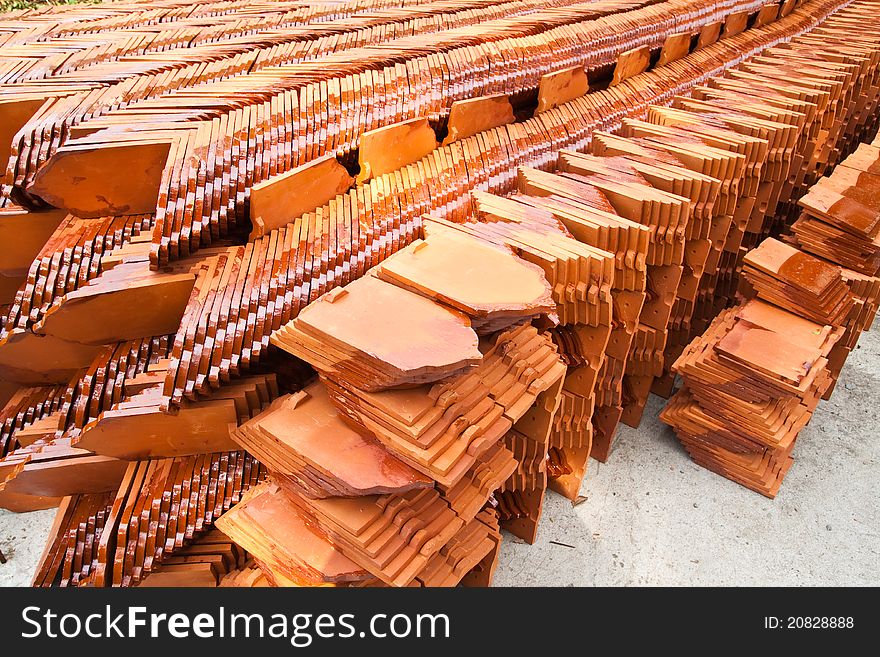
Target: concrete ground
{"points": [[651, 517]]}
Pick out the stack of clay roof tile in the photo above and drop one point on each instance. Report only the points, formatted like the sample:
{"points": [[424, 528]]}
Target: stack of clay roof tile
{"points": [[445, 439], [64, 440], [751, 383], [838, 213], [34, 417], [397, 531], [748, 128], [40, 419], [486, 412], [798, 282], [72, 558], [714, 158], [667, 216], [379, 482], [299, 556], [290, 437], [581, 277], [812, 94], [840, 220], [732, 137], [71, 555], [554, 218], [68, 261], [754, 378], [814, 289], [180, 498]]}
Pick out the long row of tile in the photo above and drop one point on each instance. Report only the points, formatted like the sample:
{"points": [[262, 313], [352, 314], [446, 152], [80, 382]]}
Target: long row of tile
{"points": [[694, 220], [44, 111], [36, 49], [41, 114], [39, 107], [57, 357], [210, 132], [352, 337]]}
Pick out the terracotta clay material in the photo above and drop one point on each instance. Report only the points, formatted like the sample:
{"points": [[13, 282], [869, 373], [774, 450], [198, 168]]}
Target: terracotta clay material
{"points": [[471, 275], [271, 528], [281, 199], [386, 149], [481, 314], [127, 302], [560, 87], [631, 63], [674, 48], [109, 179], [371, 323], [474, 115], [301, 437]]}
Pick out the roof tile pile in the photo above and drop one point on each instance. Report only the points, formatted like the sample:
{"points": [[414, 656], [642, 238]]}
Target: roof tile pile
{"points": [[753, 380], [392, 473], [751, 383]]}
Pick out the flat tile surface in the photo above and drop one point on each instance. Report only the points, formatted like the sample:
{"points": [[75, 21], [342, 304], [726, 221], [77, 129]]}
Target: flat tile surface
{"points": [[652, 517]]}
